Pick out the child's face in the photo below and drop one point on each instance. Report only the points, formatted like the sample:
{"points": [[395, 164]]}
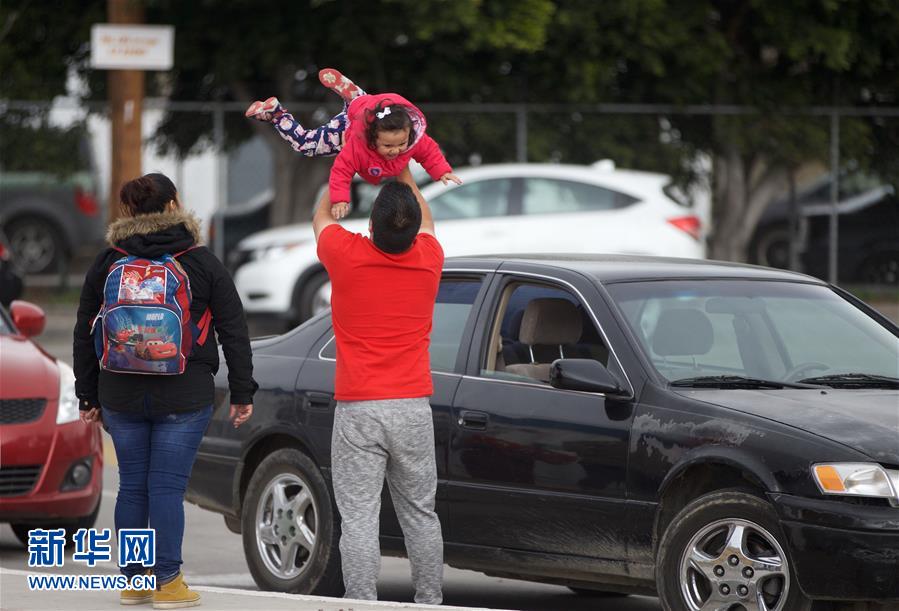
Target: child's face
{"points": [[391, 143]]}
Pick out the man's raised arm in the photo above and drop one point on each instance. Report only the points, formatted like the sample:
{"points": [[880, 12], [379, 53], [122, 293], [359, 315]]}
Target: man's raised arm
{"points": [[322, 217], [427, 221]]}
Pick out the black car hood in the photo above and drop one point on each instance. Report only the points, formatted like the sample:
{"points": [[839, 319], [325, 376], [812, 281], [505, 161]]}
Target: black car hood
{"points": [[865, 420]]}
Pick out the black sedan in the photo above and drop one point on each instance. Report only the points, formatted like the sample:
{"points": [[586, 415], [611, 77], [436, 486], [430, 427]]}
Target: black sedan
{"points": [[724, 436]]}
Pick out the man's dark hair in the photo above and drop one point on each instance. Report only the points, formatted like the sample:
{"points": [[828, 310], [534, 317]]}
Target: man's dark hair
{"points": [[395, 218]]}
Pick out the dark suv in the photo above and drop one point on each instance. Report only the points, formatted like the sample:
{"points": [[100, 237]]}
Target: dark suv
{"points": [[48, 217], [868, 241]]}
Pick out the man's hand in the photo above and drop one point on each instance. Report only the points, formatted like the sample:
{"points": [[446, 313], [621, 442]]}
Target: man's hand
{"points": [[340, 210], [91, 415], [449, 176], [240, 413]]}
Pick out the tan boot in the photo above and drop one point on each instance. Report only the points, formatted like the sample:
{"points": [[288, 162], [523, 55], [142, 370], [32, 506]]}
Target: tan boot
{"points": [[175, 595], [130, 596]]}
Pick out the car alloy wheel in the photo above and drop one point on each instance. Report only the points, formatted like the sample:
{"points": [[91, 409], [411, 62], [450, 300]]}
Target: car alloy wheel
{"points": [[289, 527], [724, 551], [285, 525], [35, 245], [734, 562]]}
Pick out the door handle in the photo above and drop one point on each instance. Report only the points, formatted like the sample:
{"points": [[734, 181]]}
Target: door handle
{"points": [[319, 399], [473, 420]]}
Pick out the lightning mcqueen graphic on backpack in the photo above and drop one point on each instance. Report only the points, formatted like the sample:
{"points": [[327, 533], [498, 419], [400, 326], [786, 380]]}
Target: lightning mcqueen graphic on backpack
{"points": [[144, 324]]}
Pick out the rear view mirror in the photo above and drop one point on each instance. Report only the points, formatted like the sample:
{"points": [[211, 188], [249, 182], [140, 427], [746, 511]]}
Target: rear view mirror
{"points": [[584, 374], [27, 317]]}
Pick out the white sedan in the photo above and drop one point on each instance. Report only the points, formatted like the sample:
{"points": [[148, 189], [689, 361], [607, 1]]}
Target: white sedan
{"points": [[508, 209]]}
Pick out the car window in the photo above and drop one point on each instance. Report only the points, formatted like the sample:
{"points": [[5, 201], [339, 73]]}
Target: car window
{"points": [[482, 198], [546, 196], [536, 324], [772, 330], [455, 299], [454, 302], [724, 351]]}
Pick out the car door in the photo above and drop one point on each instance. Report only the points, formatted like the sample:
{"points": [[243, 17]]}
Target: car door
{"points": [[454, 310], [532, 467]]}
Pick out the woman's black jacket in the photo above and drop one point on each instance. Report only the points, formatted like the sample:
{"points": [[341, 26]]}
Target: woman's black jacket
{"points": [[152, 235]]}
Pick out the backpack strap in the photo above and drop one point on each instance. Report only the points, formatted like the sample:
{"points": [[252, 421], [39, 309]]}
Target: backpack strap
{"points": [[206, 319], [178, 254], [203, 326], [121, 250]]}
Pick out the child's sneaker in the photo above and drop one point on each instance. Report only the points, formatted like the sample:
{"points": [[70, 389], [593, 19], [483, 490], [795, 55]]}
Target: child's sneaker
{"points": [[265, 111], [341, 85], [175, 595]]}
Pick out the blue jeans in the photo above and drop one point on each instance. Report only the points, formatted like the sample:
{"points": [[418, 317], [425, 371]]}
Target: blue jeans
{"points": [[156, 454]]}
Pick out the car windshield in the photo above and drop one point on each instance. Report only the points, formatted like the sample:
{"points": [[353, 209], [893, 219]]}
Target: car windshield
{"points": [[702, 333]]}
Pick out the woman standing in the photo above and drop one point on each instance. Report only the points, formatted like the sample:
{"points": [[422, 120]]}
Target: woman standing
{"points": [[156, 421]]}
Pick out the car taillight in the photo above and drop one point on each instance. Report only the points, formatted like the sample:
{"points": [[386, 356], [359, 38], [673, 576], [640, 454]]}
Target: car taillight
{"points": [[688, 224], [86, 202], [3, 253]]}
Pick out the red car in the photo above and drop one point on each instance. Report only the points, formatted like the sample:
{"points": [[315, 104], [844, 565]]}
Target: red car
{"points": [[51, 463], [155, 350]]}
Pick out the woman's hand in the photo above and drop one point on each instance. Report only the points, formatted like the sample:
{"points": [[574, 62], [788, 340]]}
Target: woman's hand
{"points": [[240, 413], [340, 210], [91, 415], [449, 176]]}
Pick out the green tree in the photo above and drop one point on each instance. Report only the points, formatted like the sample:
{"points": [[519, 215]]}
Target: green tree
{"points": [[748, 52], [38, 49], [238, 50]]}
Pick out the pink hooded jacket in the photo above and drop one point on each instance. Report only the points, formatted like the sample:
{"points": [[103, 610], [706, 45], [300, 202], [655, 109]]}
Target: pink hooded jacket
{"points": [[357, 158]]}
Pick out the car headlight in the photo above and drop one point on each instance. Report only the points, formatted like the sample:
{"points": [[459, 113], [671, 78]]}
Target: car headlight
{"points": [[857, 479], [268, 253], [68, 402]]}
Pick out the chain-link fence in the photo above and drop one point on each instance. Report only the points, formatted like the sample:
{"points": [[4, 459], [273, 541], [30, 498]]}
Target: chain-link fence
{"points": [[808, 189]]}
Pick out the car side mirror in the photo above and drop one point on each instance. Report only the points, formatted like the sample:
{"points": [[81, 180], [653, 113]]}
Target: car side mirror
{"points": [[27, 317], [584, 374]]}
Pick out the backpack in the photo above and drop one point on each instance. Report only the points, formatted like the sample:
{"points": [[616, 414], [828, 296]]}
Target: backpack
{"points": [[144, 324]]}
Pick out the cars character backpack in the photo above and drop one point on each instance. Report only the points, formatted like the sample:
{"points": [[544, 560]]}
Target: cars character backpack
{"points": [[144, 324]]}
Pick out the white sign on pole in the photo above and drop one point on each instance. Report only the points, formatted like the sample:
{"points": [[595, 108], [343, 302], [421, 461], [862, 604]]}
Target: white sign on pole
{"points": [[132, 47]]}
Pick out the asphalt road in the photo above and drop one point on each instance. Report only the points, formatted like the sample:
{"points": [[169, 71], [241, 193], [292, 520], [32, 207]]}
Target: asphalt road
{"points": [[213, 555]]}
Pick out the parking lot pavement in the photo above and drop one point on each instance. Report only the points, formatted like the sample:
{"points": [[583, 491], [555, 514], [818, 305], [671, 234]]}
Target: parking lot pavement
{"points": [[15, 594]]}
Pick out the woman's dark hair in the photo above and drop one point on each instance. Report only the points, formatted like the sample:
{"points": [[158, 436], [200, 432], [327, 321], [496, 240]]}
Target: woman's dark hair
{"points": [[397, 118], [395, 218], [147, 194]]}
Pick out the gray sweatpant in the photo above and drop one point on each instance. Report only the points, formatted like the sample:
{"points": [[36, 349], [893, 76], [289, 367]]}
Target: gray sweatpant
{"points": [[395, 438]]}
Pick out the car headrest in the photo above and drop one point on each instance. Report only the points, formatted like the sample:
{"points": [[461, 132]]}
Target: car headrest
{"points": [[682, 332], [551, 321]]}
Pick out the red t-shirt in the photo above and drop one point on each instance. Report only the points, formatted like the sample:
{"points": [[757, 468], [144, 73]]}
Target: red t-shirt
{"points": [[381, 307]]}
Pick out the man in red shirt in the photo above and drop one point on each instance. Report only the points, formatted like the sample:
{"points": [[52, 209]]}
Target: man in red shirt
{"points": [[383, 290]]}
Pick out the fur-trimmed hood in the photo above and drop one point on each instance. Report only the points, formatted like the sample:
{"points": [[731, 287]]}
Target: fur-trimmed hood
{"points": [[157, 234], [156, 222]]}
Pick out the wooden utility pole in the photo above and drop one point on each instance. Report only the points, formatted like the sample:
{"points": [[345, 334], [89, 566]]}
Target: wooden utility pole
{"points": [[126, 97]]}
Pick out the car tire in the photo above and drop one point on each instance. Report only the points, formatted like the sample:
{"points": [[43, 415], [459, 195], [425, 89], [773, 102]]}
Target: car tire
{"points": [[37, 245], [771, 246], [286, 501], [311, 298], [590, 593], [703, 526], [21, 529]]}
